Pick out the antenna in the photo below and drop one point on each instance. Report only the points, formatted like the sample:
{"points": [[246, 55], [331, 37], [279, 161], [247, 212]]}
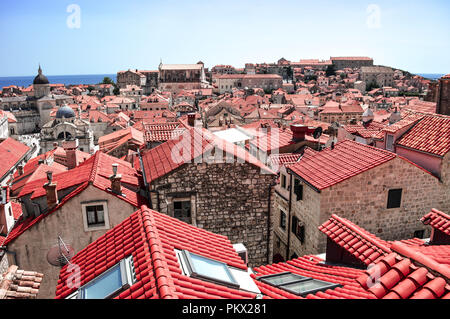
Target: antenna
{"points": [[60, 254]]}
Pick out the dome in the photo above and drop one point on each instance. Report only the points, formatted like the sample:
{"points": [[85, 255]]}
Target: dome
{"points": [[65, 112], [40, 78]]}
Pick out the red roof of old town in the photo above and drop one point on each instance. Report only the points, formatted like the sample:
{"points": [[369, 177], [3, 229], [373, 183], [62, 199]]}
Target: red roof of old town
{"points": [[429, 135], [332, 166], [11, 152], [151, 237], [160, 160], [438, 220]]}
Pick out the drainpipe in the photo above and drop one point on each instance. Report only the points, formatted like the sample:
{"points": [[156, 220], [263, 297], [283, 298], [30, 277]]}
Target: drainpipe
{"points": [[289, 216], [271, 185]]}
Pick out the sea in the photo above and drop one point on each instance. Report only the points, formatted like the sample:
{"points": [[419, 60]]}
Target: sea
{"points": [[26, 81]]}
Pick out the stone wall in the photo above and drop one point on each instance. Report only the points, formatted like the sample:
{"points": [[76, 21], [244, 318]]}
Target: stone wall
{"points": [[231, 199], [363, 200]]}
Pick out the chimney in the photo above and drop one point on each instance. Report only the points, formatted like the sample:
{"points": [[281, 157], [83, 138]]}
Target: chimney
{"points": [[20, 169], [55, 145], [52, 193], [191, 119], [115, 179], [6, 215], [298, 132], [71, 147]]}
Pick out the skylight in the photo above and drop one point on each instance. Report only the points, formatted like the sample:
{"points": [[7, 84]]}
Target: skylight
{"points": [[113, 281], [197, 266], [296, 284]]}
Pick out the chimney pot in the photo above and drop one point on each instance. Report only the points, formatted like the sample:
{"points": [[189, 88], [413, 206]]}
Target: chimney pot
{"points": [[191, 119]]}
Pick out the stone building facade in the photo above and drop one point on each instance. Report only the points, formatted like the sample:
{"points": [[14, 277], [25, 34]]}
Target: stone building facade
{"points": [[231, 199], [177, 77], [146, 80], [378, 75], [268, 82], [341, 63], [443, 95], [363, 200]]}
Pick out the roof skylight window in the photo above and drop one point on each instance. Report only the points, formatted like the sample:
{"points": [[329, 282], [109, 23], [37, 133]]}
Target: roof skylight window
{"points": [[297, 285], [109, 284], [200, 267]]}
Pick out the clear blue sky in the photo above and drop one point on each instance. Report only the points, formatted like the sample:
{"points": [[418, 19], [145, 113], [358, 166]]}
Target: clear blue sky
{"points": [[115, 35]]}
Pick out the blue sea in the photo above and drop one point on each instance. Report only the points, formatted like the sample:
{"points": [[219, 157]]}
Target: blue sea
{"points": [[431, 76], [56, 79]]}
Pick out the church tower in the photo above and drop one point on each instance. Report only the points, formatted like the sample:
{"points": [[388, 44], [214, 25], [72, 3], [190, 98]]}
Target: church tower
{"points": [[41, 85]]}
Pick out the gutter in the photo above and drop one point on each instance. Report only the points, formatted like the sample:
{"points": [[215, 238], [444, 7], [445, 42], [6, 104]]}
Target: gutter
{"points": [[289, 217], [269, 219]]}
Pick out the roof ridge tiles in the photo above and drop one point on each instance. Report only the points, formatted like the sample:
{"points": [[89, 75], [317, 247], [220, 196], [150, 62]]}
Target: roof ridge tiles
{"points": [[423, 260], [358, 231], [165, 283]]}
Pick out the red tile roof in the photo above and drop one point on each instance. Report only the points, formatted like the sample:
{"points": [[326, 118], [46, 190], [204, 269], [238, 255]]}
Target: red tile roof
{"points": [[283, 159], [437, 220], [430, 135], [312, 267], [19, 284], [190, 145], [11, 152], [407, 274], [357, 241], [151, 237], [348, 158], [95, 170]]}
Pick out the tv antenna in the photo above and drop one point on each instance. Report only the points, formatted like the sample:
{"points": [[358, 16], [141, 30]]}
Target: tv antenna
{"points": [[60, 254]]}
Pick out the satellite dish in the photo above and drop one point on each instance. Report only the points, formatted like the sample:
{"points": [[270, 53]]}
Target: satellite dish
{"points": [[317, 133], [60, 254]]}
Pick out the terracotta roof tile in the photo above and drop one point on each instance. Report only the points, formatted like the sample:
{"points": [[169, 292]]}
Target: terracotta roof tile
{"points": [[437, 220], [430, 135], [348, 158], [151, 237], [19, 284]]}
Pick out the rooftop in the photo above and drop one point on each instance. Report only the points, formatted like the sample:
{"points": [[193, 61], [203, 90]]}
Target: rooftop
{"points": [[331, 166]]}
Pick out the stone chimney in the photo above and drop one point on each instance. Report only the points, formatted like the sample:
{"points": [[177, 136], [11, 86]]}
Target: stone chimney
{"points": [[20, 169], [191, 119], [71, 147], [116, 185], [298, 132], [52, 193]]}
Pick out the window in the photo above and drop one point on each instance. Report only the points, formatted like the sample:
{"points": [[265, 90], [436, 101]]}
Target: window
{"points": [[419, 234], [298, 189], [95, 215], [182, 210], [200, 267], [297, 229], [296, 284], [394, 198], [390, 142], [283, 181], [282, 219], [109, 284]]}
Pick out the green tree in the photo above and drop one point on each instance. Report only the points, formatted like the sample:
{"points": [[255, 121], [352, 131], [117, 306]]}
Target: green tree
{"points": [[330, 71], [107, 80]]}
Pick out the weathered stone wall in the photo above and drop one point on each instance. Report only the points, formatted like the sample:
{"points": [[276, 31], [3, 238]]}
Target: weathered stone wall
{"points": [[363, 200], [230, 199]]}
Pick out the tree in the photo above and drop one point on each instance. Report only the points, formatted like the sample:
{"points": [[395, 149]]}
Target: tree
{"points": [[330, 70], [107, 80]]}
